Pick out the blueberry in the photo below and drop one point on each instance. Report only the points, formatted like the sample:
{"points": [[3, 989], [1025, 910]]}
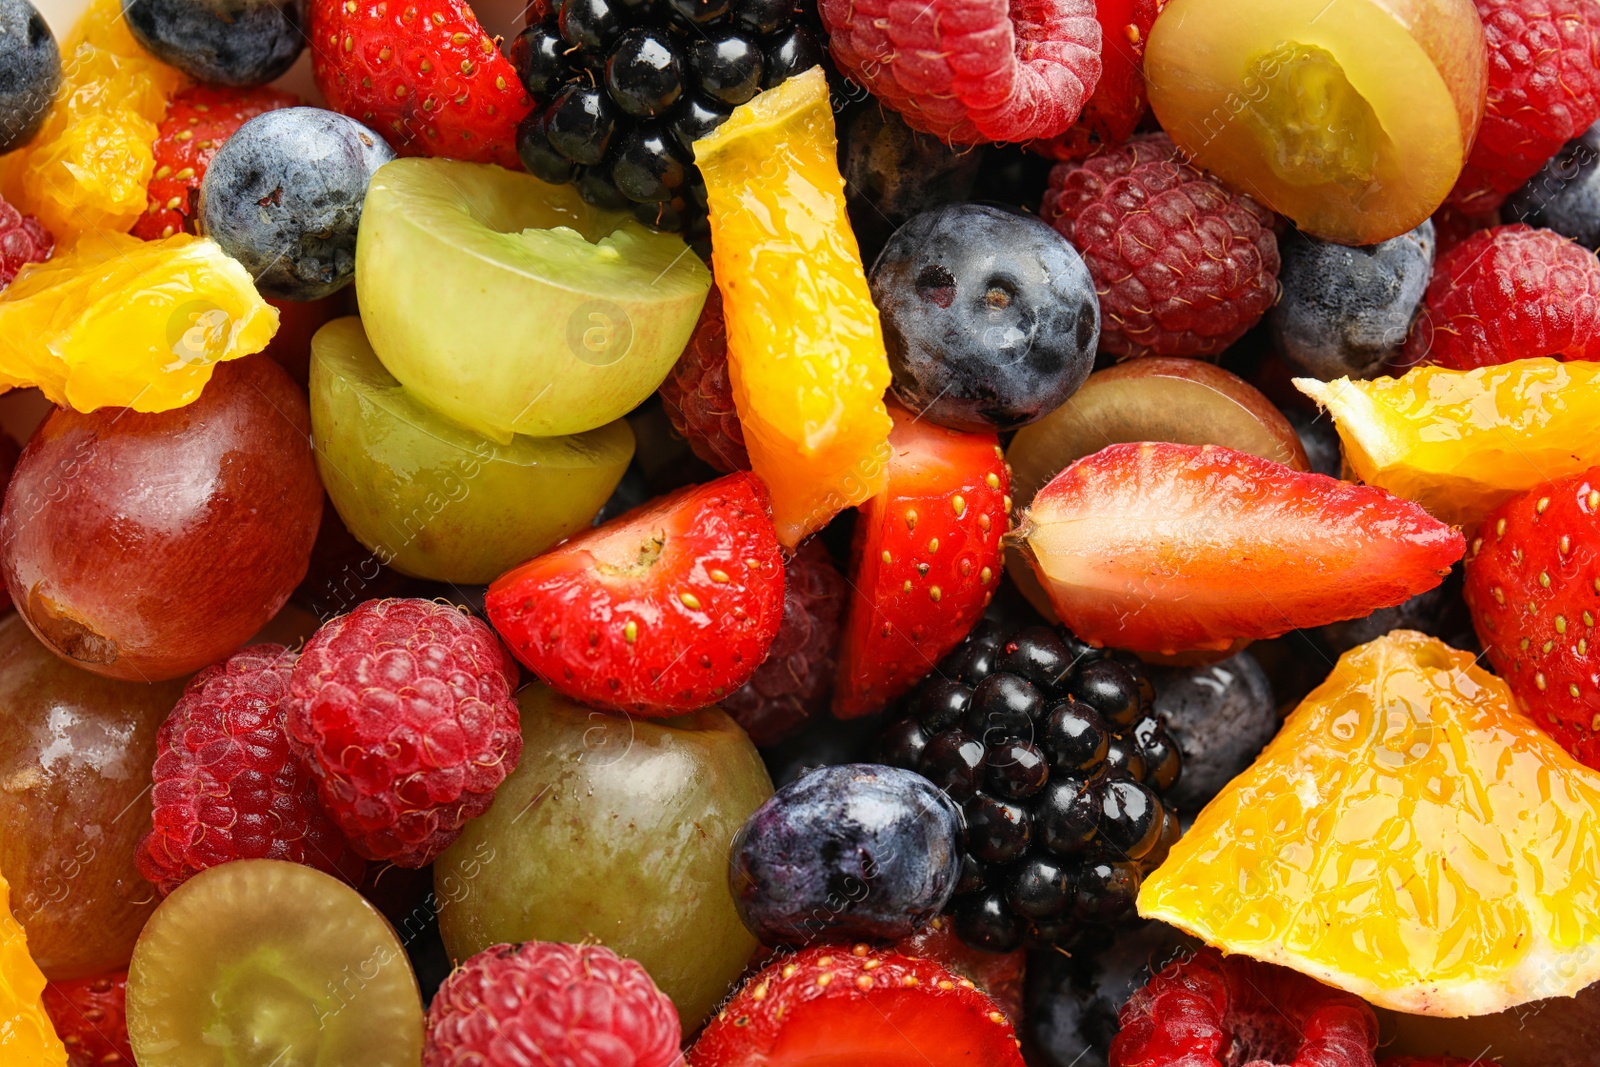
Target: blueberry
{"points": [[283, 196], [858, 852], [990, 316], [30, 72], [1565, 195], [1221, 716], [225, 42], [1345, 311]]}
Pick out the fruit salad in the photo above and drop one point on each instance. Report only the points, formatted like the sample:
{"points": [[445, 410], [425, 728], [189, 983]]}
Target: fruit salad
{"points": [[799, 533]]}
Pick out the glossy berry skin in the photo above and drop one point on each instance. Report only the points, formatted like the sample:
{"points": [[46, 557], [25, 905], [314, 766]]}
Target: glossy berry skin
{"points": [[23, 240], [1346, 311], [1565, 195], [858, 851], [989, 316], [223, 42], [402, 713], [546, 1002], [283, 196], [228, 786], [30, 72], [1182, 265], [90, 1015]]}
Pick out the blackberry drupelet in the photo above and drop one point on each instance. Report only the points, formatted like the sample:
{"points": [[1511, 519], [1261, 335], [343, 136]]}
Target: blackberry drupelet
{"points": [[623, 89], [1056, 756]]}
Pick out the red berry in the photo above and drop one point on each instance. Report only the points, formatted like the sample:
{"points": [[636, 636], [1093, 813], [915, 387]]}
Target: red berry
{"points": [[793, 684], [968, 71], [925, 562], [1209, 1010], [698, 394], [857, 1005], [663, 610], [1544, 90], [1183, 266], [402, 711], [227, 784], [999, 974], [23, 240], [198, 120], [1509, 293], [423, 73], [1429, 1061], [1119, 101], [546, 1003], [90, 1017]]}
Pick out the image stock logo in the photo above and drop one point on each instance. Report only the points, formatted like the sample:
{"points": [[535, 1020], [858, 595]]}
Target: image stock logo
{"points": [[198, 332], [599, 333]]}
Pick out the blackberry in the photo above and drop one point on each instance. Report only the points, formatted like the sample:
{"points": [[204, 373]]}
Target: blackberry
{"points": [[1060, 764], [623, 88]]}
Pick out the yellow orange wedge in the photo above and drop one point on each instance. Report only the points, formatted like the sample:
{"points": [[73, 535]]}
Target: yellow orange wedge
{"points": [[27, 1037], [1461, 442], [805, 349], [1408, 837]]}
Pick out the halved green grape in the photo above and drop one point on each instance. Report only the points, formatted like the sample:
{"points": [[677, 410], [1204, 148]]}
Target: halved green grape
{"points": [[512, 306], [265, 963], [433, 499]]}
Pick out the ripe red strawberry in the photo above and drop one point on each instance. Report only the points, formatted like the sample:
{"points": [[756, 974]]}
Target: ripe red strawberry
{"points": [[660, 611], [90, 1017], [422, 73], [1120, 100], [857, 1005], [1171, 548], [998, 974], [1531, 583], [926, 560]]}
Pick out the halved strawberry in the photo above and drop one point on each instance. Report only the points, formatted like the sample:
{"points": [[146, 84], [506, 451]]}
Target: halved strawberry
{"points": [[660, 611], [926, 560], [1165, 548], [999, 974], [90, 1017], [843, 1007]]}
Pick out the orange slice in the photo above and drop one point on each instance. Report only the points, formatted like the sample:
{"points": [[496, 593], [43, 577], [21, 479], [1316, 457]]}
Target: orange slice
{"points": [[805, 349], [1408, 837], [27, 1037]]}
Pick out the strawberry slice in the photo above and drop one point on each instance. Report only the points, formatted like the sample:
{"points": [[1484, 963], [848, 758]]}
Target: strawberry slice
{"points": [[1166, 548], [90, 1017], [660, 611], [843, 1007], [926, 560], [999, 974]]}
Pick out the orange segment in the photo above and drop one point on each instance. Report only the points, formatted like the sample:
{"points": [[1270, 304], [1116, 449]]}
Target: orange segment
{"points": [[27, 1037], [1461, 442], [805, 349], [1408, 837]]}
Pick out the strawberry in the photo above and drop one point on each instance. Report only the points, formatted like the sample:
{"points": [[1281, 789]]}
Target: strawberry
{"points": [[857, 1005], [926, 560], [90, 1017], [660, 611], [1533, 586], [422, 73], [998, 974], [1119, 101], [1165, 548], [198, 120]]}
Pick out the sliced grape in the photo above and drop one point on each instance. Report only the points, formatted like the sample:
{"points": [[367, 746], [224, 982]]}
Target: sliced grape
{"points": [[264, 963], [436, 500]]}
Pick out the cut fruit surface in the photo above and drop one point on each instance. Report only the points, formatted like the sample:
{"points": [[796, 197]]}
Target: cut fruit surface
{"points": [[805, 347], [1408, 836], [1298, 103], [265, 963], [27, 1039], [1462, 442]]}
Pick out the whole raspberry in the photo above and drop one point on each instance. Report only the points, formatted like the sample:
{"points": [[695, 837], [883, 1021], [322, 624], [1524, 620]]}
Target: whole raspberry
{"points": [[1120, 100], [1544, 90], [91, 1018], [698, 395], [1208, 1010], [794, 682], [1509, 293], [23, 239], [968, 71], [547, 1003], [1182, 265], [227, 785], [402, 711]]}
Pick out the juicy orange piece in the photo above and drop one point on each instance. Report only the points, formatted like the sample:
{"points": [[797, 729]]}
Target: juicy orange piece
{"points": [[805, 349], [1408, 837], [1461, 442], [27, 1037], [119, 322]]}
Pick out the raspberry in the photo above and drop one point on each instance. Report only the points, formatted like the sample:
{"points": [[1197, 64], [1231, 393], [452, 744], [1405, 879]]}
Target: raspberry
{"points": [[1429, 1061], [546, 1003], [91, 1018], [1451, 226], [402, 711], [1120, 100], [794, 682], [972, 70], [1544, 90], [23, 239], [1207, 1010], [1183, 266], [227, 785], [699, 397], [1509, 293]]}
